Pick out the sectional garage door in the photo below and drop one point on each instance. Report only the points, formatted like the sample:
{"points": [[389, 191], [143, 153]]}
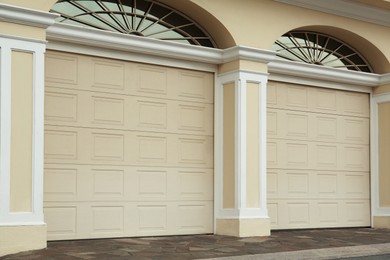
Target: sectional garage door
{"points": [[318, 157], [128, 149]]}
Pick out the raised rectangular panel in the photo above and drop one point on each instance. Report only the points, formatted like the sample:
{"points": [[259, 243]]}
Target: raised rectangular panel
{"points": [[272, 123], [152, 218], [272, 183], [192, 151], [152, 183], [357, 184], [194, 184], [107, 219], [152, 114], [108, 183], [327, 184], [152, 148], [357, 213], [194, 218], [328, 213], [60, 220], [272, 97], [326, 128], [298, 214], [356, 103], [297, 125], [326, 156], [297, 183], [273, 214], [109, 75], [297, 155], [356, 158], [272, 154], [356, 130], [60, 183], [60, 144], [61, 68], [107, 110], [297, 97], [108, 147], [325, 100], [193, 85], [152, 80], [192, 118], [60, 106]]}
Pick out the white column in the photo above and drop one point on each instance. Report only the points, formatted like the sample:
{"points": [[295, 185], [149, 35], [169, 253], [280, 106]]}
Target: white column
{"points": [[37, 49], [241, 210]]}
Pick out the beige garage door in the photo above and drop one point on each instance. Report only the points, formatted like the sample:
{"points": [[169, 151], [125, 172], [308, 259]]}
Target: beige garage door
{"points": [[318, 157], [128, 149]]}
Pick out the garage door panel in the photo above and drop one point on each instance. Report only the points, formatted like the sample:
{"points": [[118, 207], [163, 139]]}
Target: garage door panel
{"points": [[88, 146], [128, 149], [296, 97], [317, 157], [97, 110], [309, 126]]}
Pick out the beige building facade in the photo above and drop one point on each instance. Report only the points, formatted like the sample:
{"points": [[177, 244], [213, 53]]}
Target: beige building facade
{"points": [[272, 115]]}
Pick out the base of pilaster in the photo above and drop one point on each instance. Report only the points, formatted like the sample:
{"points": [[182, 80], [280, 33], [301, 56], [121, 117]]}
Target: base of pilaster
{"points": [[381, 222], [15, 239], [243, 227]]}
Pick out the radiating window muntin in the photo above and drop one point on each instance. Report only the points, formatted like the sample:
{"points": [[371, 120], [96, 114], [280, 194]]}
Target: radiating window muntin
{"points": [[146, 18], [319, 49]]}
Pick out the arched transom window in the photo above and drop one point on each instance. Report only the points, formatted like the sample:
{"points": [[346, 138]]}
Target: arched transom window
{"points": [[146, 18], [319, 49]]}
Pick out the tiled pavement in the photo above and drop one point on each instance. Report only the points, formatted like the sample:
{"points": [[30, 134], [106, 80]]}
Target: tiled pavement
{"points": [[297, 244]]}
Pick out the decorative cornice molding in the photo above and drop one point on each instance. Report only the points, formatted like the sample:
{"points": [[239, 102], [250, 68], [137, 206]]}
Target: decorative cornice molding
{"points": [[384, 79], [345, 8], [25, 16], [110, 41], [322, 73], [130, 43]]}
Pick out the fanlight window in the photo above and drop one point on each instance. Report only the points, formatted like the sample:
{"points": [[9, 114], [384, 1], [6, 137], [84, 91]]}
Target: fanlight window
{"points": [[146, 18], [320, 49]]}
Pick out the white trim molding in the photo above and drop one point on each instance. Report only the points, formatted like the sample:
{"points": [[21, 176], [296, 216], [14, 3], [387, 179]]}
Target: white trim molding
{"points": [[241, 211], [26, 16], [35, 217], [349, 9], [376, 209]]}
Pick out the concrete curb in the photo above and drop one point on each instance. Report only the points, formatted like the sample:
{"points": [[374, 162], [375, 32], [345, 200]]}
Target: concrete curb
{"points": [[326, 253]]}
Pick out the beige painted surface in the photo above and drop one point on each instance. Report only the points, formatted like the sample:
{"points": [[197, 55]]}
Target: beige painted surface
{"points": [[239, 16], [21, 132], [384, 154], [253, 145], [381, 222], [43, 5], [243, 227], [381, 89], [229, 146], [15, 239], [242, 65], [22, 31], [128, 149], [318, 157]]}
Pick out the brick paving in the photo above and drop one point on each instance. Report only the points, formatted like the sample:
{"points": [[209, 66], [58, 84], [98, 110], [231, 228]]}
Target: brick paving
{"points": [[212, 246]]}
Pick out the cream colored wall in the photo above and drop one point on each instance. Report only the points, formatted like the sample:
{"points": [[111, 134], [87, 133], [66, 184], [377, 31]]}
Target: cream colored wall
{"points": [[381, 89], [43, 5], [384, 154], [259, 23], [229, 145], [21, 238], [253, 152], [22, 30], [21, 132]]}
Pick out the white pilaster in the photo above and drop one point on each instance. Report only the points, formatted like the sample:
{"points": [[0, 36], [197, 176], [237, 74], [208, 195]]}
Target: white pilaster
{"points": [[241, 211], [37, 49]]}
